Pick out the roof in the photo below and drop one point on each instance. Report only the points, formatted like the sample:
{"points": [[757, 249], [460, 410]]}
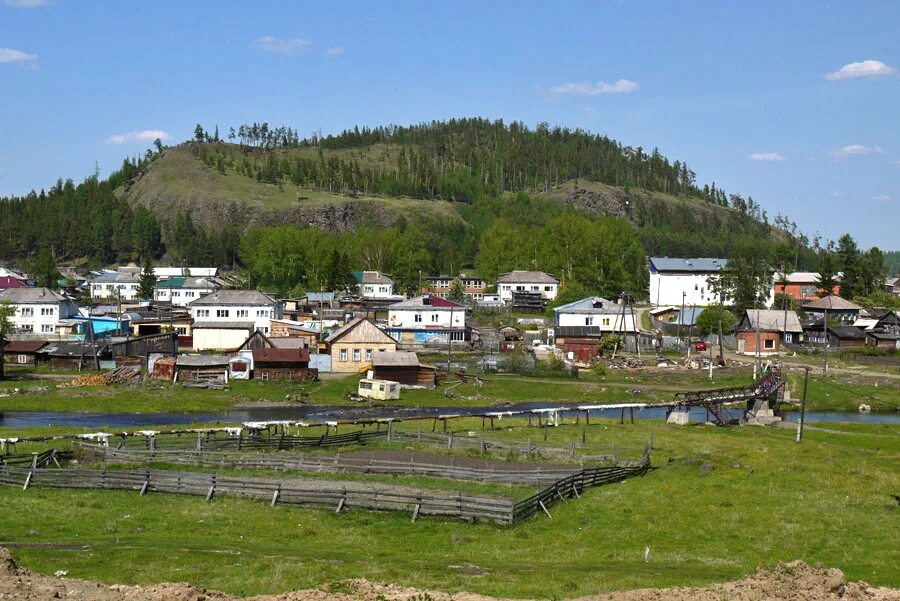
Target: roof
{"points": [[24, 346], [288, 341], [359, 324], [801, 277], [847, 332], [320, 297], [235, 297], [11, 282], [770, 320], [590, 305], [526, 277], [578, 332], [687, 316], [866, 324], [699, 264], [223, 325], [66, 349], [287, 356], [395, 359], [883, 335], [832, 303], [31, 296], [371, 277], [429, 301], [202, 360], [181, 282], [118, 277]]}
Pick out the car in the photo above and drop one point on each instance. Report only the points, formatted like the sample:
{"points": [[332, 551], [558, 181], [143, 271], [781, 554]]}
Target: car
{"points": [[700, 345]]}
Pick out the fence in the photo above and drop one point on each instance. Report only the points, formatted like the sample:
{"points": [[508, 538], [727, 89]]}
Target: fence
{"points": [[239, 441], [892, 363], [34, 460], [339, 496]]}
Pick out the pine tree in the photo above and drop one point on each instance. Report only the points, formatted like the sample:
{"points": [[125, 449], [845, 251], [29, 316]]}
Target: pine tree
{"points": [[148, 280]]}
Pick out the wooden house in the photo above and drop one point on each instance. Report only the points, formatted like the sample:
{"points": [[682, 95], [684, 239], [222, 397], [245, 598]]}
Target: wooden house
{"points": [[834, 308], [772, 328], [22, 352], [281, 364], [351, 346], [846, 337], [402, 367], [883, 340], [196, 368], [67, 355]]}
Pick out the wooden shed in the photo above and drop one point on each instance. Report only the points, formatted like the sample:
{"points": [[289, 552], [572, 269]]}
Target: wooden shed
{"points": [[198, 368], [67, 355], [291, 364], [402, 367], [22, 352]]}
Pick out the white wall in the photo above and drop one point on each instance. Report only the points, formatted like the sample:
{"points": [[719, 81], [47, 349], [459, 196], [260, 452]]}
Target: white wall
{"points": [[606, 322], [41, 318], [108, 290], [260, 315], [376, 290], [180, 297], [666, 289], [206, 339], [430, 318], [548, 291]]}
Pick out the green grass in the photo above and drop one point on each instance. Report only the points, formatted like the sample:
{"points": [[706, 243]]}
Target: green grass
{"points": [[767, 499]]}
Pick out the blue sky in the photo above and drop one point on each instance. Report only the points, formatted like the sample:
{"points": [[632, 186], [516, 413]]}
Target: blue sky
{"points": [[794, 103]]}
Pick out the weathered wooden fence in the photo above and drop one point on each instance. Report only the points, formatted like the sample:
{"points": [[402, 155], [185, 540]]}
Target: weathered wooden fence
{"points": [[537, 475], [242, 441], [34, 460], [339, 496]]}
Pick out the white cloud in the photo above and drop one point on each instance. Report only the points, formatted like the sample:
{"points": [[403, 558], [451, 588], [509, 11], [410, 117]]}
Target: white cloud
{"points": [[583, 88], [857, 149], [837, 194], [881, 198], [336, 51], [146, 135], [8, 55], [766, 156], [25, 3], [866, 68], [282, 45], [897, 162]]}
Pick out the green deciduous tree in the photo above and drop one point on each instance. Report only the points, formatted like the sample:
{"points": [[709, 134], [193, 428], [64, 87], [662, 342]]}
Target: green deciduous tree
{"points": [[457, 291], [708, 320]]}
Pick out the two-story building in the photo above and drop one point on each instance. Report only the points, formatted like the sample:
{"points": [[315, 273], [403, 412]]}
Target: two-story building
{"points": [[374, 284], [578, 327], [427, 318], [535, 282], [225, 318], [37, 310], [183, 290], [113, 285], [474, 287], [684, 281], [801, 285]]}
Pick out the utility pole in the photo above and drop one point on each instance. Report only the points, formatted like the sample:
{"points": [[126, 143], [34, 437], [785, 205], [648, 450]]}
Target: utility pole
{"points": [[721, 342], [758, 356], [825, 335], [803, 406], [681, 314], [450, 339]]}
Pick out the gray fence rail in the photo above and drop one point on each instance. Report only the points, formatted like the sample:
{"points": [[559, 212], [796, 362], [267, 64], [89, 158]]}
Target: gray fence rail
{"points": [[241, 441], [324, 493]]}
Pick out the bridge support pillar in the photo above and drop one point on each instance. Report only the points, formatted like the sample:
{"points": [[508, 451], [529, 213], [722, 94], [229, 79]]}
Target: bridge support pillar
{"points": [[679, 416], [760, 414]]}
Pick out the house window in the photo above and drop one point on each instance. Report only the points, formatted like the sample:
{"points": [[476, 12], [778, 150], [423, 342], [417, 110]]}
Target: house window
{"points": [[176, 293], [606, 321], [202, 312], [47, 328], [22, 359], [434, 318], [788, 337], [262, 313], [418, 318], [48, 311], [242, 313], [365, 386], [343, 355], [769, 343], [548, 288], [356, 354], [588, 321], [368, 354], [27, 311], [222, 312]]}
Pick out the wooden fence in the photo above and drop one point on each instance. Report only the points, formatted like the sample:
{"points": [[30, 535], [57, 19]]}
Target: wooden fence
{"points": [[492, 472], [338, 496], [241, 441], [34, 460]]}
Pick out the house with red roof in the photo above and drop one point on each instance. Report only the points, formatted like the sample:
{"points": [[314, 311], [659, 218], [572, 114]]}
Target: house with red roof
{"points": [[426, 319]]}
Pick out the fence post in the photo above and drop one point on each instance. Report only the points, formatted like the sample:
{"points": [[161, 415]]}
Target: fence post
{"points": [[449, 439], [390, 430], [199, 441]]}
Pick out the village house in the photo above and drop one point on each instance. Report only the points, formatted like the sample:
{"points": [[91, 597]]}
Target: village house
{"points": [[12, 282], [285, 328], [68, 355], [535, 282], [374, 284], [684, 282], [892, 286], [22, 352], [773, 328], [474, 287], [225, 318], [883, 340], [800, 285], [289, 364], [351, 346], [579, 326], [37, 310], [427, 318], [182, 290], [835, 307], [116, 285], [402, 367]]}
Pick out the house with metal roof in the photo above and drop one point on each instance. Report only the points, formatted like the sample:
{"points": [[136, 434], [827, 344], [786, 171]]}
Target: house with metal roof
{"points": [[374, 284], [37, 310], [834, 307], [684, 282], [351, 346], [605, 316], [235, 306], [474, 287], [427, 318], [182, 290], [534, 282], [800, 285], [771, 328], [116, 284]]}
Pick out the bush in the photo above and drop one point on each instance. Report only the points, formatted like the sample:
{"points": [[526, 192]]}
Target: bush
{"points": [[608, 343], [599, 371], [516, 363]]}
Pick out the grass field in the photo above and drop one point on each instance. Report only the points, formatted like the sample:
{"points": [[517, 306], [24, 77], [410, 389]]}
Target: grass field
{"points": [[720, 503]]}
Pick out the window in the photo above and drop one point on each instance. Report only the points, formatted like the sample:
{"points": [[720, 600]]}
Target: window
{"points": [[222, 312], [27, 311], [435, 318], [176, 293], [535, 288], [606, 321], [356, 354], [788, 337], [588, 321], [202, 312], [418, 318], [343, 355], [457, 335], [769, 343], [47, 327], [368, 354], [22, 359], [265, 376], [48, 310], [365, 385], [548, 288], [242, 313], [262, 313]]}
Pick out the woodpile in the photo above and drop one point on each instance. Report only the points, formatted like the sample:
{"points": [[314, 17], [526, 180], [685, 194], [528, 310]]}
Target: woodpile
{"points": [[120, 375]]}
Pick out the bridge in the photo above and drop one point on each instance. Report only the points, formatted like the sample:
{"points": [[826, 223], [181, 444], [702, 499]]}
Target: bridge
{"points": [[769, 388]]}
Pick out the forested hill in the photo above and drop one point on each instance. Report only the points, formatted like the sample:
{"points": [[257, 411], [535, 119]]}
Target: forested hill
{"points": [[453, 181]]}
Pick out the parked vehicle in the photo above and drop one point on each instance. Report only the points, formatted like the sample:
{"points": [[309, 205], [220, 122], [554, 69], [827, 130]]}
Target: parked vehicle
{"points": [[700, 345]]}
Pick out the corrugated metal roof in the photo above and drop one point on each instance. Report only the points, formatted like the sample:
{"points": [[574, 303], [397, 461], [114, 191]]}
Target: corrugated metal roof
{"points": [[223, 325], [24, 346], [372, 277], [771, 321], [429, 301], [31, 296], [832, 303], [202, 361], [235, 297], [527, 277], [697, 264], [590, 305], [395, 359]]}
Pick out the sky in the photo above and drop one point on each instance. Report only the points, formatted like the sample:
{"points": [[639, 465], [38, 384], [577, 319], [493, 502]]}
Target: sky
{"points": [[792, 103]]}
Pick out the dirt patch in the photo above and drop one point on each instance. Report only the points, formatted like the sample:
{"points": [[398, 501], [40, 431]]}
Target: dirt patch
{"points": [[787, 581]]}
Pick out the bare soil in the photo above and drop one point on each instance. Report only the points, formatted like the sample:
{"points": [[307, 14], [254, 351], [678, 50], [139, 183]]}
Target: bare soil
{"points": [[793, 581]]}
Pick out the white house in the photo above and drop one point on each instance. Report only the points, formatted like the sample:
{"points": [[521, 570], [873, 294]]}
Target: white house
{"points": [[38, 310], [527, 281], [228, 306], [110, 284], [683, 281], [598, 315], [420, 319], [374, 284], [182, 290]]}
